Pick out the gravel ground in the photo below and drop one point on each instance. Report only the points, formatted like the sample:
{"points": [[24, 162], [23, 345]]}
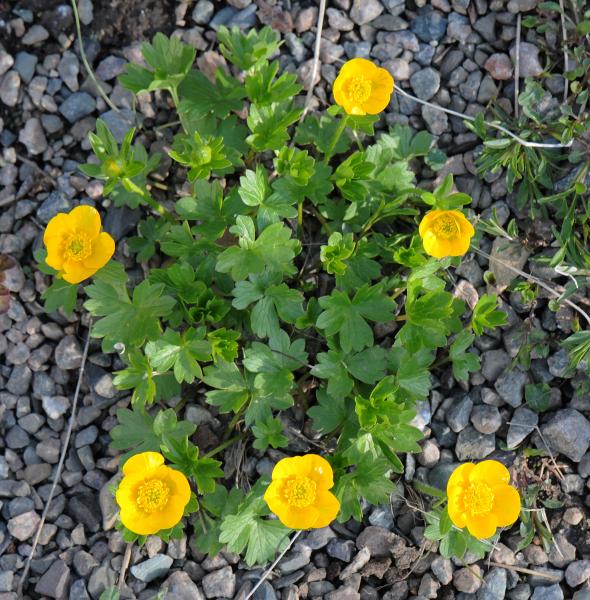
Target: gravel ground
{"points": [[456, 53]]}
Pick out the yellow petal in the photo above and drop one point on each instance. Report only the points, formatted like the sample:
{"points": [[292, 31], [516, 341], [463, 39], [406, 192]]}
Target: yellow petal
{"points": [[460, 476], [491, 472], [55, 255], [86, 219], [481, 527], [456, 508], [144, 463], [139, 522], [328, 508], [427, 221], [75, 272], [58, 227], [297, 518], [103, 247], [506, 508], [320, 470], [126, 493], [179, 486], [273, 497]]}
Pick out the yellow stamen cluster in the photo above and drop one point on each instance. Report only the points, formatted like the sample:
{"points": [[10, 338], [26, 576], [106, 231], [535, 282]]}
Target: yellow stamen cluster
{"points": [[152, 495], [78, 246], [446, 227], [300, 491], [478, 498], [359, 89]]}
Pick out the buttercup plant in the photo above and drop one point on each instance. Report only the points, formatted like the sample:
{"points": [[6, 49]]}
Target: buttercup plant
{"points": [[298, 284]]}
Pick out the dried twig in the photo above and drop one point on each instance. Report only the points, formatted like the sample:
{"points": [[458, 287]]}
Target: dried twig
{"points": [[501, 128], [565, 54], [517, 65], [59, 465], [525, 570], [316, 58], [124, 565]]}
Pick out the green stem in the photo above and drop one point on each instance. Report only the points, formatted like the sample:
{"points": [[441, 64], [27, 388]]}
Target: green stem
{"points": [[336, 137], [85, 60], [224, 445], [300, 220]]}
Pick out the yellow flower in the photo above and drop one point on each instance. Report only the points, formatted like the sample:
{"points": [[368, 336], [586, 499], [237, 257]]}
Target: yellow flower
{"points": [[151, 496], [298, 493], [445, 233], [481, 498], [362, 87], [76, 247]]}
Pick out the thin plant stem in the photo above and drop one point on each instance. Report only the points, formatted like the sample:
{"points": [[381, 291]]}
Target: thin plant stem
{"points": [[60, 464], [565, 54], [341, 127], [300, 220], [274, 564], [316, 59], [517, 65], [522, 142], [85, 62], [124, 565], [223, 446]]}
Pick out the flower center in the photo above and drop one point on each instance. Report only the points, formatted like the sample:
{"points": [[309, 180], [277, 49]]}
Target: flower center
{"points": [[78, 246], [478, 498], [300, 491], [153, 495], [359, 89], [445, 227], [112, 167]]}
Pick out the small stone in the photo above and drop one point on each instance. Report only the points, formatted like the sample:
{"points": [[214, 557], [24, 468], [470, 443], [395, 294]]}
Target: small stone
{"points": [[24, 526], [295, 560], [523, 423], [86, 436], [442, 569], [573, 516], [499, 66], [429, 25], [378, 539], [510, 386], [35, 35], [506, 254], [494, 585], [68, 70], [84, 508], [220, 584], [436, 121], [25, 65], [55, 203], [486, 419], [119, 123], [6, 580], [548, 592], [317, 539], [6, 61], [577, 573], [86, 11], [110, 67], [343, 593], [77, 105], [101, 579], [530, 65], [516, 6], [568, 433], [425, 83], [473, 445], [9, 88], [55, 406], [358, 562], [108, 507], [17, 438], [55, 581], [364, 11], [35, 474], [84, 562], [153, 568], [181, 587], [342, 550], [458, 414], [33, 137], [68, 353], [467, 580]]}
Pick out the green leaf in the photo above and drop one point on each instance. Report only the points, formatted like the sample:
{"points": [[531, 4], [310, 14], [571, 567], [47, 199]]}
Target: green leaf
{"points": [[249, 530], [485, 314], [262, 87], [203, 156], [138, 376], [134, 430], [269, 433], [247, 50], [180, 352], [348, 318], [170, 61], [205, 471], [111, 593], [463, 362], [538, 396], [329, 413], [445, 524], [60, 294], [231, 391], [269, 124], [273, 248], [124, 320]]}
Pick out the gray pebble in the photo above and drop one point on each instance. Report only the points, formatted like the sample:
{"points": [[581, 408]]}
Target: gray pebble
{"points": [[68, 353], [425, 83], [33, 136], [473, 445], [9, 88], [76, 106], [220, 584], [153, 568], [35, 35], [568, 433], [55, 203], [522, 424]]}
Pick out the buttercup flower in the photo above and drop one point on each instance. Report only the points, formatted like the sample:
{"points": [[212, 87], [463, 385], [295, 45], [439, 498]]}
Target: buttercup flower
{"points": [[481, 498], [298, 493], [362, 88], [76, 247], [445, 233], [151, 495]]}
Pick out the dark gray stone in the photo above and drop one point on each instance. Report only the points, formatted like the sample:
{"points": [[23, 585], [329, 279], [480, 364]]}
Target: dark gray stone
{"points": [[77, 105]]}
